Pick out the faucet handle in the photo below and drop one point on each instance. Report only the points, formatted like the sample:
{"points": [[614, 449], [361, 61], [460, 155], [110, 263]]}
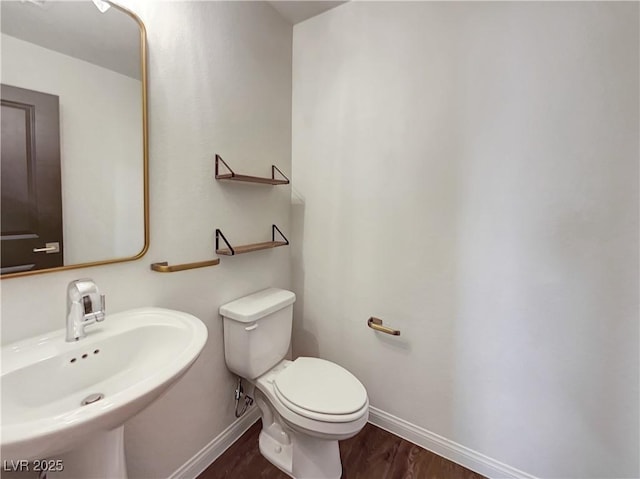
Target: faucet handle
{"points": [[87, 305], [101, 314]]}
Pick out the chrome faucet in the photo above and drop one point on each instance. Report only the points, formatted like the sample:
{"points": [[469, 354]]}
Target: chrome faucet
{"points": [[85, 306]]}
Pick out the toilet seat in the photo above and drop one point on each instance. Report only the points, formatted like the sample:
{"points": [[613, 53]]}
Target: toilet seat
{"points": [[320, 425], [320, 390]]}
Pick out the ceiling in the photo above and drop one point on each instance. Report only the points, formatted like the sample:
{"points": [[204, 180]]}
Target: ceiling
{"points": [[76, 28], [111, 39], [297, 12]]}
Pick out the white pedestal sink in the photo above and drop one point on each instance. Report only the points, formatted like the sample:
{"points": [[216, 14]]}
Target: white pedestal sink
{"points": [[127, 361]]}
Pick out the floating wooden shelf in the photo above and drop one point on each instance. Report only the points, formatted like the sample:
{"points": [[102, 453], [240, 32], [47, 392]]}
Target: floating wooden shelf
{"points": [[232, 176], [165, 268], [234, 250], [250, 247]]}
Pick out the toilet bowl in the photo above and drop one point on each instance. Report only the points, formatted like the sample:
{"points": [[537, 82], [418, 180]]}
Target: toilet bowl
{"points": [[300, 437], [307, 405]]}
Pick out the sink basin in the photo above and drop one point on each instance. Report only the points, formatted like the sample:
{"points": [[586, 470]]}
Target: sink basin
{"points": [[130, 359]]}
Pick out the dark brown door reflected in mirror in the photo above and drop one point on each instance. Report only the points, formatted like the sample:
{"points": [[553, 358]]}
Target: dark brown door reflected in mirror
{"points": [[30, 175]]}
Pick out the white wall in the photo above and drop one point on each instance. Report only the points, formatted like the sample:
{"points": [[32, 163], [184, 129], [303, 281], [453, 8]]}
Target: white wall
{"points": [[100, 148], [220, 81], [468, 172]]}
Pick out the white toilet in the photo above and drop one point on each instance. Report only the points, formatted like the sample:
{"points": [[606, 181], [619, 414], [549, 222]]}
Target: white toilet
{"points": [[307, 405]]}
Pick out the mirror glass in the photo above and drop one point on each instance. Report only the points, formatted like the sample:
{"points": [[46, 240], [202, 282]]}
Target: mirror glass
{"points": [[74, 166]]}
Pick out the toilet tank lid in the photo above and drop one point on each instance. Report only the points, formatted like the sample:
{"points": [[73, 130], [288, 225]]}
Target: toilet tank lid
{"points": [[257, 305]]}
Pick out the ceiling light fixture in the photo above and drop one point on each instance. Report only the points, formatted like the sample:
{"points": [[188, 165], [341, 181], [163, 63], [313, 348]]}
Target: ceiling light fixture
{"points": [[37, 3], [102, 5]]}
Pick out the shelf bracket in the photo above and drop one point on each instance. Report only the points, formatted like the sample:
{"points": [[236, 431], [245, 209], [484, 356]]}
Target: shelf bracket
{"points": [[274, 168], [220, 235], [274, 228], [220, 160]]}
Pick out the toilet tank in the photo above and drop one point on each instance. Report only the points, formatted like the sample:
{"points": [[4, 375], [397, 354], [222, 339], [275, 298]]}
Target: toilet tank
{"points": [[257, 331]]}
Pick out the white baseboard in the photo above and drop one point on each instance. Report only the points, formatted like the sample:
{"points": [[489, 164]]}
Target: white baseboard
{"points": [[428, 440], [203, 459], [444, 447]]}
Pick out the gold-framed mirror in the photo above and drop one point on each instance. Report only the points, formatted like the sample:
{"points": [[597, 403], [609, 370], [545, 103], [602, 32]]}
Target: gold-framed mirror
{"points": [[75, 180]]}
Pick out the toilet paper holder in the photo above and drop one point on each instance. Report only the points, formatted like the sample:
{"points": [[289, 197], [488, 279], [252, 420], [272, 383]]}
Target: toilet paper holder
{"points": [[376, 324]]}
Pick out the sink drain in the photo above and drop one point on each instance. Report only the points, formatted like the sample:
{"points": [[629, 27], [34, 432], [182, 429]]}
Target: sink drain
{"points": [[91, 398]]}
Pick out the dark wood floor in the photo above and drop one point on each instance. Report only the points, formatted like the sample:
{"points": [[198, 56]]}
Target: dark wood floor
{"points": [[372, 454]]}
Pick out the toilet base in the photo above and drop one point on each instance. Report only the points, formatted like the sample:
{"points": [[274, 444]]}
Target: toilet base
{"points": [[299, 455], [305, 458], [280, 455]]}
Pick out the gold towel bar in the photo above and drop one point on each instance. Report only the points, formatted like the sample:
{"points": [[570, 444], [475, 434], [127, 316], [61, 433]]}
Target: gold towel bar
{"points": [[165, 268], [376, 323]]}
